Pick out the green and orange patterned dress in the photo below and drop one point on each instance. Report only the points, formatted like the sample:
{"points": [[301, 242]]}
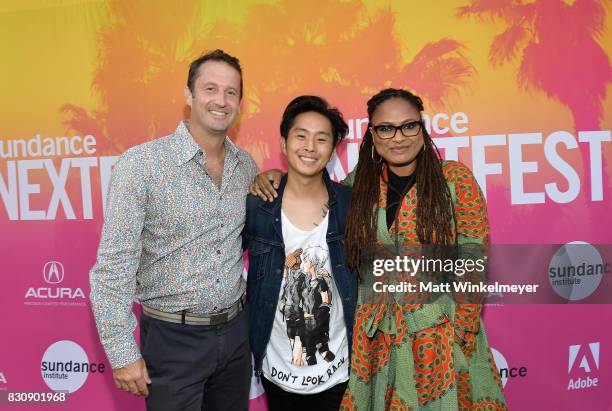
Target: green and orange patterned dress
{"points": [[404, 355]]}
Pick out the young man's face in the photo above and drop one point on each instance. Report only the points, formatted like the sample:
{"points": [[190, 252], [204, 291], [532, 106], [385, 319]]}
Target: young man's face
{"points": [[215, 100], [309, 144]]}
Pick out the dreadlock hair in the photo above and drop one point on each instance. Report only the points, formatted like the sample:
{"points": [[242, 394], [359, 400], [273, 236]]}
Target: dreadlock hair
{"points": [[434, 209]]}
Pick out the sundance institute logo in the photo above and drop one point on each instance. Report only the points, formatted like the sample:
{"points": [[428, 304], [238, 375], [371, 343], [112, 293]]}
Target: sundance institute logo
{"points": [[65, 366], [506, 372], [576, 270]]}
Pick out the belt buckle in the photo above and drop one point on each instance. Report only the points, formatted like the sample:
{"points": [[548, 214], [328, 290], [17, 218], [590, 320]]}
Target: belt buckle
{"points": [[220, 318]]}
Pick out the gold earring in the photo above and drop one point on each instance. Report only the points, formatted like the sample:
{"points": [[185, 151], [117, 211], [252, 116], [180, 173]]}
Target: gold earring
{"points": [[374, 160]]}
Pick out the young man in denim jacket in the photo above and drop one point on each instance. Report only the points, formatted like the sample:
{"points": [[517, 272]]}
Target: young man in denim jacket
{"points": [[301, 294]]}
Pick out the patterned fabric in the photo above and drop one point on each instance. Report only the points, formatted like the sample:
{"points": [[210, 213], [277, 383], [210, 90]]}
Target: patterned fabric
{"points": [[171, 237], [404, 355]]}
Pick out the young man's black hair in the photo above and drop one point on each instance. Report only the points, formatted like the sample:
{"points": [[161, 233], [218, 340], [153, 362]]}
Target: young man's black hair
{"points": [[305, 104]]}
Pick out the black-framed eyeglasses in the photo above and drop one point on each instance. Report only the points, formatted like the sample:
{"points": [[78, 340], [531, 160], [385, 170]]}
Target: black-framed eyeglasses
{"points": [[388, 131]]}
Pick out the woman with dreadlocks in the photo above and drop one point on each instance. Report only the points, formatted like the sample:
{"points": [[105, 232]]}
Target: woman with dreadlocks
{"points": [[406, 355], [415, 356]]}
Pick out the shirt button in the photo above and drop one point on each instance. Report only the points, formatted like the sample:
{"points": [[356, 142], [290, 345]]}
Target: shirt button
{"points": [[220, 197], [222, 225], [217, 280], [218, 251]]}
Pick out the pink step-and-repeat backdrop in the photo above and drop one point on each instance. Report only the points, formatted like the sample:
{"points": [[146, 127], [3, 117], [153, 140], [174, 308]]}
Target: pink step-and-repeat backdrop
{"points": [[519, 90]]}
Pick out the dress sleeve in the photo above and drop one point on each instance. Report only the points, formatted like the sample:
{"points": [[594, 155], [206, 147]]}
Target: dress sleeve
{"points": [[472, 229]]}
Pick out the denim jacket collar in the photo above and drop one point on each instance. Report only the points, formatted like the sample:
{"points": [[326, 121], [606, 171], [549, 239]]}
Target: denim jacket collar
{"points": [[274, 207]]}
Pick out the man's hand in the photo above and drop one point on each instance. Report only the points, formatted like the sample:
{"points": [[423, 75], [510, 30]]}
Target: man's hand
{"points": [[265, 184], [133, 378], [460, 336]]}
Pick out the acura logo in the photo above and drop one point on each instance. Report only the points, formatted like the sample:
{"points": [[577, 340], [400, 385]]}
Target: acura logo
{"points": [[53, 272]]}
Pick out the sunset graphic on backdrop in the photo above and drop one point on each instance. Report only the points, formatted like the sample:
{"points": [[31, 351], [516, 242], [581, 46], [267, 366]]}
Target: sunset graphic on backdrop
{"points": [[527, 63], [286, 49], [556, 44], [530, 80]]}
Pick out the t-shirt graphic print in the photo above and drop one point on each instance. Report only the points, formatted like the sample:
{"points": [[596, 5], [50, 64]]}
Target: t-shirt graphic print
{"points": [[308, 349]]}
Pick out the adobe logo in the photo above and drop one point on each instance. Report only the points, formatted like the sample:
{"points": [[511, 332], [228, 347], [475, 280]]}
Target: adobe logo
{"points": [[589, 359], [585, 357]]}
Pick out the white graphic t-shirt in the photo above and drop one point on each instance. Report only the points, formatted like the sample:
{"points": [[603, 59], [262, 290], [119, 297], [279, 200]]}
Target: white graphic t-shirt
{"points": [[308, 347]]}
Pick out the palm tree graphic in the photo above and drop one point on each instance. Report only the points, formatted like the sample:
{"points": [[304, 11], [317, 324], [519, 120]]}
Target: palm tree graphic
{"points": [[555, 42], [340, 51]]}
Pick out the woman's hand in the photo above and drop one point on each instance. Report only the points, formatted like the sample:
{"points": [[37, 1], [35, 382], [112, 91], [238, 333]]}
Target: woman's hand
{"points": [[265, 184], [467, 342]]}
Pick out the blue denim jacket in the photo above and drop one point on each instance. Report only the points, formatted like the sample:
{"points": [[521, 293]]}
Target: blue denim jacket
{"points": [[263, 236]]}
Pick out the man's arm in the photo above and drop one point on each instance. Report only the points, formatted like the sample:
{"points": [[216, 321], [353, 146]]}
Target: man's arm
{"points": [[113, 278], [266, 183]]}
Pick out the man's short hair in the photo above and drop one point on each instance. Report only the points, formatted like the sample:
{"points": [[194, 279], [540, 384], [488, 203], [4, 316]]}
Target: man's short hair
{"points": [[216, 55], [306, 104]]}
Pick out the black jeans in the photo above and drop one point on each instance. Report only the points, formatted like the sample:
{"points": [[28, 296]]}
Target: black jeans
{"points": [[281, 400], [197, 367]]}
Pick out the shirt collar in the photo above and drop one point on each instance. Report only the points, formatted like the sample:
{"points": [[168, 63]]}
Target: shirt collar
{"points": [[185, 147]]}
